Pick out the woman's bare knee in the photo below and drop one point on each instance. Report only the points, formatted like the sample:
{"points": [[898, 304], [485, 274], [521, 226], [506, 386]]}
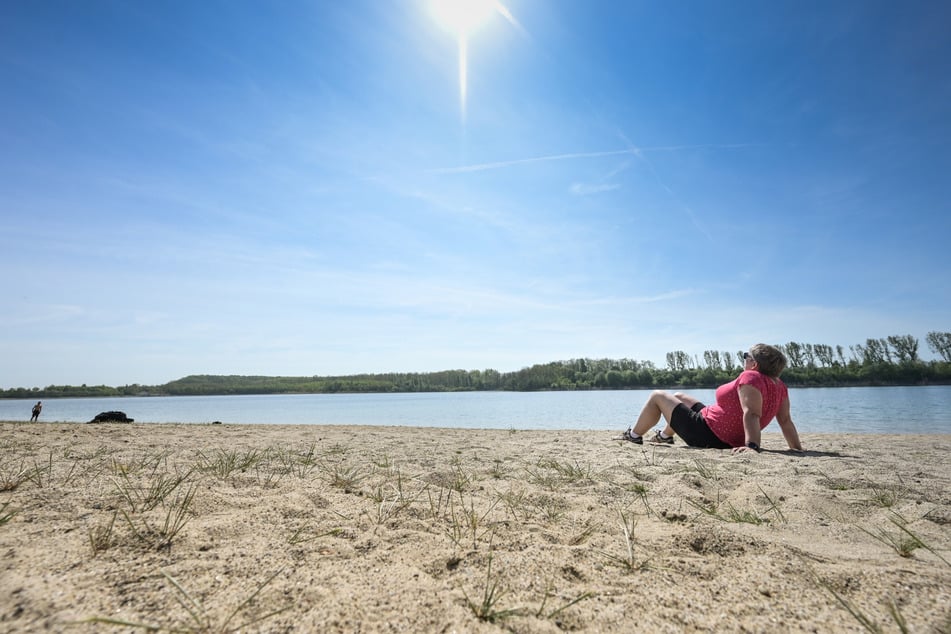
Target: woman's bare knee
{"points": [[686, 399]]}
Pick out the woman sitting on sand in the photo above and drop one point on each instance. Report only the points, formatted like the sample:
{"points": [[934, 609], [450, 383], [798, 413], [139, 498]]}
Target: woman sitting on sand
{"points": [[744, 407]]}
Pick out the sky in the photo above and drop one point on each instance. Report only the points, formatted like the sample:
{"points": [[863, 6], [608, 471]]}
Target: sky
{"points": [[302, 188]]}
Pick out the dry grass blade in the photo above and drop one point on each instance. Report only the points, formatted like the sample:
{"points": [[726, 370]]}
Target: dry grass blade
{"points": [[864, 620], [201, 623], [103, 620], [100, 537], [492, 592], [901, 524], [627, 561], [11, 478], [304, 534], [6, 516], [541, 613], [176, 518], [904, 543], [193, 606], [577, 599], [852, 609], [773, 506], [247, 602], [41, 474]]}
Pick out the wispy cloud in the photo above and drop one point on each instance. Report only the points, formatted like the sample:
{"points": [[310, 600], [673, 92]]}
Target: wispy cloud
{"points": [[41, 314], [602, 185], [584, 189], [620, 302]]}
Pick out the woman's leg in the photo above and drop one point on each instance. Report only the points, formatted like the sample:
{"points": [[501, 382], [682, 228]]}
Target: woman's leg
{"points": [[686, 399], [659, 404]]}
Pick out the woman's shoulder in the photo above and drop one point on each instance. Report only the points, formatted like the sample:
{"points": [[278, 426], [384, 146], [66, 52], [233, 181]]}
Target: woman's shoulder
{"points": [[757, 379], [750, 376]]}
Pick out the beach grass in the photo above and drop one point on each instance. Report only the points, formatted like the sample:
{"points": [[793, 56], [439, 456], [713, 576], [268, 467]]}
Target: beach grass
{"points": [[173, 527]]}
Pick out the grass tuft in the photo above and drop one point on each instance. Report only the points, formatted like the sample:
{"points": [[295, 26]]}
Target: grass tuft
{"points": [[345, 477], [223, 464], [729, 513], [161, 536], [12, 477], [627, 561], [487, 608], [100, 537]]}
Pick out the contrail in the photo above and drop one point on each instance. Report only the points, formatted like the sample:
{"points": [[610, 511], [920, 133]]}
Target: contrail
{"points": [[686, 209], [481, 167]]}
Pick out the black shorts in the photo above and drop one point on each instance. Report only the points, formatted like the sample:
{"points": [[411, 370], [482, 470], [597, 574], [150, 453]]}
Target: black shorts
{"points": [[693, 429]]}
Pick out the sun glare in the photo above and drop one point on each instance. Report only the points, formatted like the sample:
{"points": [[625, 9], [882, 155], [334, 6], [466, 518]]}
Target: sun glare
{"points": [[462, 18]]}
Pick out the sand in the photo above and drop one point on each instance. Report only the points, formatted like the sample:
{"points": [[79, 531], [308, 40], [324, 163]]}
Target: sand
{"points": [[273, 528]]}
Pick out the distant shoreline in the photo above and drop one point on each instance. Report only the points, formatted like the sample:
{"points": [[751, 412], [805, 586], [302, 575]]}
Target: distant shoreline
{"points": [[683, 372], [90, 393]]}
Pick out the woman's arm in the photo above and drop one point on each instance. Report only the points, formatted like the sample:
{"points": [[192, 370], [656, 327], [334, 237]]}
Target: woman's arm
{"points": [[786, 424], [751, 400]]}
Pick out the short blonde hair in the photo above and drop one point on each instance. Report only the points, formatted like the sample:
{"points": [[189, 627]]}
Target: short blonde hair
{"points": [[770, 360]]}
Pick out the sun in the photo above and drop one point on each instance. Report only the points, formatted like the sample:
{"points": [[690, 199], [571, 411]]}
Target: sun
{"points": [[462, 18]]}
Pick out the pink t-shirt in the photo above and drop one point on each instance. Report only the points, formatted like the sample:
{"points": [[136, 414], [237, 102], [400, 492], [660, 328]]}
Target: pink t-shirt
{"points": [[725, 419]]}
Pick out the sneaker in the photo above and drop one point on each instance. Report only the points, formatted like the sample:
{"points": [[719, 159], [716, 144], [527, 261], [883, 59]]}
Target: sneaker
{"points": [[628, 437], [657, 439]]}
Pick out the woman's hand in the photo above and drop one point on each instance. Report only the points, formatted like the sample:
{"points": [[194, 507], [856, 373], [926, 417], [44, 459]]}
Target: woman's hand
{"points": [[750, 446]]}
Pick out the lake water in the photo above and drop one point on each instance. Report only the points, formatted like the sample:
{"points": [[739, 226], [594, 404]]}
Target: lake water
{"points": [[853, 410]]}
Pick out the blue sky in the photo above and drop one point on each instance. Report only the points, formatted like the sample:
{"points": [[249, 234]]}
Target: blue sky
{"points": [[295, 188]]}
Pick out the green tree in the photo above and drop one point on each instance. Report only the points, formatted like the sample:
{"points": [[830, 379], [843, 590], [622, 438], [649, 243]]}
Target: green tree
{"points": [[712, 359], [728, 364], [905, 347], [823, 354], [794, 354], [809, 354], [678, 361], [876, 352], [940, 344]]}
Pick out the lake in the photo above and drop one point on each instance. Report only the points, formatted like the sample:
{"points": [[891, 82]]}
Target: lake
{"points": [[925, 409]]}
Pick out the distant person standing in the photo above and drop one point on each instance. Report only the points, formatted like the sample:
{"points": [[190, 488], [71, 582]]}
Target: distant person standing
{"points": [[36, 412]]}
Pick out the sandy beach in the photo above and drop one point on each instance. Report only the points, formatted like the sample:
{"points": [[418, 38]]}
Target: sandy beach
{"points": [[272, 528]]}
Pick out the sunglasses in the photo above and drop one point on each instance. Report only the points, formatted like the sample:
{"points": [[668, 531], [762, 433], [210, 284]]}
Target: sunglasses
{"points": [[747, 356]]}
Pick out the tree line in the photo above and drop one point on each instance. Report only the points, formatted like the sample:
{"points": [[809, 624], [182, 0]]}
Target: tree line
{"points": [[892, 360]]}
